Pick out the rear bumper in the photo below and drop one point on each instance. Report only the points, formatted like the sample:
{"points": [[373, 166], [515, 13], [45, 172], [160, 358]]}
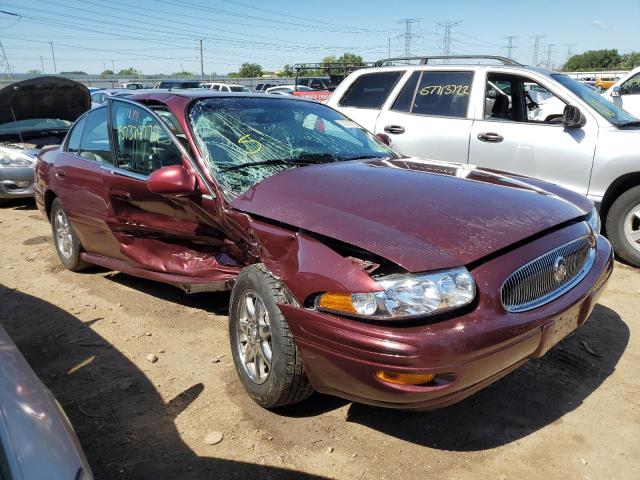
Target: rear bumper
{"points": [[466, 353], [16, 182]]}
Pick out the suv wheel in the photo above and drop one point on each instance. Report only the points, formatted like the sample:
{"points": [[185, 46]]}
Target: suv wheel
{"points": [[623, 226], [264, 352], [66, 242]]}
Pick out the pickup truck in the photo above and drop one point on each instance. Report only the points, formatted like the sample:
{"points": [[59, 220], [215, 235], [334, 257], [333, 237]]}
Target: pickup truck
{"points": [[510, 117]]}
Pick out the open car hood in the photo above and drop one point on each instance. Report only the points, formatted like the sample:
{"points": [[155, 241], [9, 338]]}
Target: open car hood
{"points": [[43, 97], [422, 215]]}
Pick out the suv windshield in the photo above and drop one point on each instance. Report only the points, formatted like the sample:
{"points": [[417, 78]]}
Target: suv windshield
{"points": [[245, 140], [604, 107]]}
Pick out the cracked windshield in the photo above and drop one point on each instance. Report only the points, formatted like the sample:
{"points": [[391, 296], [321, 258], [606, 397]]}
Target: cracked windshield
{"points": [[245, 140]]}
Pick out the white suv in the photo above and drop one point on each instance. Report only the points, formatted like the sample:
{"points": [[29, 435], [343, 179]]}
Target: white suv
{"points": [[626, 92], [508, 117]]}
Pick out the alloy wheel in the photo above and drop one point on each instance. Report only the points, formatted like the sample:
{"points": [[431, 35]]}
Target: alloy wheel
{"points": [[632, 227], [254, 336], [64, 236]]}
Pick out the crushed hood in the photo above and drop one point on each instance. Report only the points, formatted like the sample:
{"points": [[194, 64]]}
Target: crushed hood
{"points": [[43, 97], [422, 215]]}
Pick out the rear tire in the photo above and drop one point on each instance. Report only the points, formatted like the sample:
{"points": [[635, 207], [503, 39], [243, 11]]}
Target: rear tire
{"points": [[623, 226], [64, 238], [265, 355]]}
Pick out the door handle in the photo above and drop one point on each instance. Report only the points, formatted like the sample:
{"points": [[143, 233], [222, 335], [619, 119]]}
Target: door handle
{"points": [[121, 195], [394, 129], [58, 172], [490, 137]]}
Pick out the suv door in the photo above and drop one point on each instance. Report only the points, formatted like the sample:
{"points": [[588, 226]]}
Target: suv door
{"points": [[431, 117], [521, 131], [366, 94], [629, 95]]}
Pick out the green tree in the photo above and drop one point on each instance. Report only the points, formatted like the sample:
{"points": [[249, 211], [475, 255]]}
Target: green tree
{"points": [[106, 73], [350, 58], [250, 70], [34, 72], [130, 72], [287, 71], [631, 60], [183, 73], [594, 60]]}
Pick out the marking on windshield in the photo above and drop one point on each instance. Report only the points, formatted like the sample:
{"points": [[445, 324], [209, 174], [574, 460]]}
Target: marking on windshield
{"points": [[246, 140]]}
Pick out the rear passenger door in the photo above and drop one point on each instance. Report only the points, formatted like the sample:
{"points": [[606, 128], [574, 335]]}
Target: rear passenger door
{"points": [[430, 117], [365, 96]]}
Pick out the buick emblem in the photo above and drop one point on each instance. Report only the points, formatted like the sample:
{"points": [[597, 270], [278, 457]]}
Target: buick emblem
{"points": [[560, 269]]}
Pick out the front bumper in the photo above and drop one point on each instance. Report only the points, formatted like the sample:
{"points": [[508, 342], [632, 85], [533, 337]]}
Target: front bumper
{"points": [[467, 352], [16, 182]]}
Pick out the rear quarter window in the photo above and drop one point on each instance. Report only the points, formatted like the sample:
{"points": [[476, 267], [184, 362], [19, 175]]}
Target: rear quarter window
{"points": [[443, 94], [73, 144], [370, 90]]}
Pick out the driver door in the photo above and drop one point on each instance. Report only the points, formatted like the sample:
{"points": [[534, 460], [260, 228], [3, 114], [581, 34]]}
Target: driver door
{"points": [[521, 131]]}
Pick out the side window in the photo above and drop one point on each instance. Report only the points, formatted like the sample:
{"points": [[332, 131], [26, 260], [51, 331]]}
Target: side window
{"points": [[73, 144], [498, 103], [405, 99], [444, 94], [542, 105], [95, 143], [142, 145], [370, 90], [631, 86]]}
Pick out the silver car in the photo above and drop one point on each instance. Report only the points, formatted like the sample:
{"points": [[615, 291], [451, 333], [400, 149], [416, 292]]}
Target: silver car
{"points": [[36, 439], [34, 114]]}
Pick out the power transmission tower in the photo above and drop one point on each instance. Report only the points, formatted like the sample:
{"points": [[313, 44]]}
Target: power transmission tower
{"points": [[549, 52], [201, 60], [570, 50], [536, 49], [446, 37], [510, 46], [408, 36], [4, 65]]}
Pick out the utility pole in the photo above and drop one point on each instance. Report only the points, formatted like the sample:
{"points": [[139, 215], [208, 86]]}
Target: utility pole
{"points": [[113, 67], [446, 38], [42, 62], [4, 64], [549, 51], [510, 46], [53, 55], [201, 61], [389, 48], [536, 49], [408, 36]]}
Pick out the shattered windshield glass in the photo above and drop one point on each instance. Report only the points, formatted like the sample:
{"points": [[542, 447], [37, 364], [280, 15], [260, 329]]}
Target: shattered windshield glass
{"points": [[245, 140]]}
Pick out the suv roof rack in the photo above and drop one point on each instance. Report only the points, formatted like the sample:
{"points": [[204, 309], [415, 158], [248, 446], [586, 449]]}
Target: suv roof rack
{"points": [[425, 60]]}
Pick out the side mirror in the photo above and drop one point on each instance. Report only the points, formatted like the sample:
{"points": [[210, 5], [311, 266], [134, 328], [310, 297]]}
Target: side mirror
{"points": [[572, 117], [172, 180], [384, 138], [616, 91]]}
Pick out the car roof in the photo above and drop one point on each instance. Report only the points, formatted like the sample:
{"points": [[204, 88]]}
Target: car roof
{"points": [[457, 66], [195, 94]]}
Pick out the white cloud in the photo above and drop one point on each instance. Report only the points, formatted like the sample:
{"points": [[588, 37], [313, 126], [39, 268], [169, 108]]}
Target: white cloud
{"points": [[601, 24]]}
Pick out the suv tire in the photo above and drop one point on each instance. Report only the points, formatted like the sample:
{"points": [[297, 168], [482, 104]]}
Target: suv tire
{"points": [[623, 222], [64, 238], [264, 352]]}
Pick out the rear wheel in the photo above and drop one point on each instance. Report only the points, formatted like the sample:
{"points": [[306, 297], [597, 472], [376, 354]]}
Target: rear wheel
{"points": [[66, 242], [623, 226], [265, 355]]}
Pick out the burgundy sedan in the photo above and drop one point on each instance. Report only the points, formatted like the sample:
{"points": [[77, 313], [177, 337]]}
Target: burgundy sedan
{"points": [[353, 271]]}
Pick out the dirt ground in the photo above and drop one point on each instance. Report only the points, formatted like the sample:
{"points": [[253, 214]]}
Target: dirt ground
{"points": [[574, 413]]}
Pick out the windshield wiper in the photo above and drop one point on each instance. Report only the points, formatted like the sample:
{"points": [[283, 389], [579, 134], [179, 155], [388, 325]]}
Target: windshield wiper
{"points": [[276, 161], [634, 123]]}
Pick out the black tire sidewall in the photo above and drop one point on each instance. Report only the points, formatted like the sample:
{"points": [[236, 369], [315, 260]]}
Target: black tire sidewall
{"points": [[268, 393], [615, 225]]}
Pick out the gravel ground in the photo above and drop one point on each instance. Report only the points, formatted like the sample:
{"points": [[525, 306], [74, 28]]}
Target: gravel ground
{"points": [[145, 374]]}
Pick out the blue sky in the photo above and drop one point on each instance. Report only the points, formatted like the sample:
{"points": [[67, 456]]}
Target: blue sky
{"points": [[162, 36]]}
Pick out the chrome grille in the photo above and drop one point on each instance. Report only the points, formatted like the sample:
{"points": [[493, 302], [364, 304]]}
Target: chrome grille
{"points": [[541, 281]]}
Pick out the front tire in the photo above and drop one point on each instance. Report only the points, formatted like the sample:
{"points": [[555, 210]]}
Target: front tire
{"points": [[64, 238], [265, 355], [623, 226]]}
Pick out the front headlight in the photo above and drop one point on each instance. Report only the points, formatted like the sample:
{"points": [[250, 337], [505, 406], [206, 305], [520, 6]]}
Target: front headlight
{"points": [[593, 220], [406, 295], [14, 158]]}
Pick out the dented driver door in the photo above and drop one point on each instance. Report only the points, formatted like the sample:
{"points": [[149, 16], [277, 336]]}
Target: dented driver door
{"points": [[161, 233]]}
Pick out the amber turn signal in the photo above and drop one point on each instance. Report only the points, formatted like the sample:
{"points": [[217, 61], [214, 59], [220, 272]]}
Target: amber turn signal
{"points": [[337, 301], [405, 378]]}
